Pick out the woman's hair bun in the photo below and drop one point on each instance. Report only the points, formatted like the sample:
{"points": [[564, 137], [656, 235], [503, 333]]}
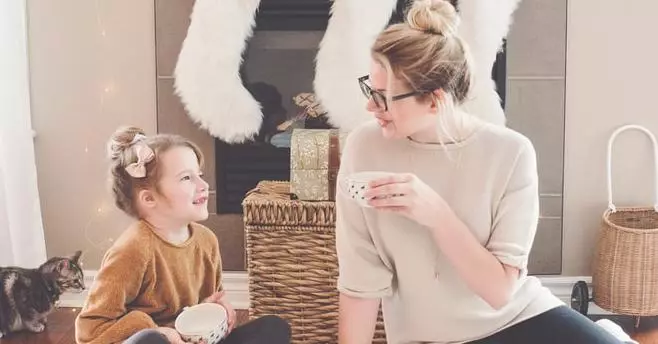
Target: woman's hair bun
{"points": [[434, 16]]}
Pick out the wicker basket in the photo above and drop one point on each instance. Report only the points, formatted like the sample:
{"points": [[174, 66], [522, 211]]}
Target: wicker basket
{"points": [[625, 276], [292, 264]]}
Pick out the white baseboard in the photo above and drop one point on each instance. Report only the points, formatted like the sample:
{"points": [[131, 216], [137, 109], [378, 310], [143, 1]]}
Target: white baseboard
{"points": [[236, 285], [77, 300]]}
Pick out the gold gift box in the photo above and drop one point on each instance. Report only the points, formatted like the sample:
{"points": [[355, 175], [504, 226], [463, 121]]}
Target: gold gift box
{"points": [[314, 162]]}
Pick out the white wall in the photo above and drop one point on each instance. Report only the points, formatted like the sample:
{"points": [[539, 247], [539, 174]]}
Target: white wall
{"points": [[612, 76], [74, 66]]}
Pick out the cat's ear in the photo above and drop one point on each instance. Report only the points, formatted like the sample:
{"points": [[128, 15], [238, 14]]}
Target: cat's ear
{"points": [[76, 256], [63, 265]]}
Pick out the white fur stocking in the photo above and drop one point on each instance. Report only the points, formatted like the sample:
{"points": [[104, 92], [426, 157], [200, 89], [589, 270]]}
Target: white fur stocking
{"points": [[207, 72], [484, 24], [344, 56]]}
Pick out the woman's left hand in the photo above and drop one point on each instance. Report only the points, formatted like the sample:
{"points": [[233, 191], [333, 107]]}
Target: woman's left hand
{"points": [[219, 298], [407, 195]]}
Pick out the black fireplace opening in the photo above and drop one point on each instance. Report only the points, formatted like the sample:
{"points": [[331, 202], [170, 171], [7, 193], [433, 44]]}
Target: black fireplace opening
{"points": [[278, 70]]}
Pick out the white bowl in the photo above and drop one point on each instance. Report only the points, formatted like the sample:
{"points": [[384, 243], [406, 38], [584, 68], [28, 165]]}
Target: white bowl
{"points": [[355, 185], [205, 323]]}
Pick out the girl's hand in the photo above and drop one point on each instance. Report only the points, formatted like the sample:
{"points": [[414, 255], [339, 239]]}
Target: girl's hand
{"points": [[232, 316], [214, 298], [407, 195], [218, 298], [172, 335]]}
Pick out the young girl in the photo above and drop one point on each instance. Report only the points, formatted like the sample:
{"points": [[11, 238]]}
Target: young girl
{"points": [[446, 239], [165, 261]]}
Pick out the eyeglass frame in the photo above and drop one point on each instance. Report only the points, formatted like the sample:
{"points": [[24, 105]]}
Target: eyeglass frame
{"points": [[370, 91]]}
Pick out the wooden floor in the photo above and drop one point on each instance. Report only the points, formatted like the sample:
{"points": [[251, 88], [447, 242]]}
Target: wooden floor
{"points": [[60, 329], [645, 333]]}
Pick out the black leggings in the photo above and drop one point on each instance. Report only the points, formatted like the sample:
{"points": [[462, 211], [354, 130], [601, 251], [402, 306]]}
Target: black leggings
{"points": [[268, 329], [559, 325]]}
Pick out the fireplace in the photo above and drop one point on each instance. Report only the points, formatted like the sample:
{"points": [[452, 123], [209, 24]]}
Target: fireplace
{"points": [[278, 70]]}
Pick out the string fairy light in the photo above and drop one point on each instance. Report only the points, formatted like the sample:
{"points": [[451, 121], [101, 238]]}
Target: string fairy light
{"points": [[93, 222], [100, 212]]}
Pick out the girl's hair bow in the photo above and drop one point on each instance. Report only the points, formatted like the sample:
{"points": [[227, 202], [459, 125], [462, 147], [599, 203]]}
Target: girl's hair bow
{"points": [[144, 155]]}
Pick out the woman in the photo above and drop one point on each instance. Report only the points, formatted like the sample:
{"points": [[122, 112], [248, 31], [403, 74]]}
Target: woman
{"points": [[445, 239]]}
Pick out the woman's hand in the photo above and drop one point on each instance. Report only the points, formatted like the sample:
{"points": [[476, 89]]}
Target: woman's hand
{"points": [[219, 298], [482, 271], [172, 335], [406, 194]]}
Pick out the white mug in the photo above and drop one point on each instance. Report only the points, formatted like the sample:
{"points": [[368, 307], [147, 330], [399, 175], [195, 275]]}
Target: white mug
{"points": [[205, 323], [355, 185]]}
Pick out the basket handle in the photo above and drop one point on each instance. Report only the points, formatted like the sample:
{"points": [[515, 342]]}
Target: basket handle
{"points": [[614, 135]]}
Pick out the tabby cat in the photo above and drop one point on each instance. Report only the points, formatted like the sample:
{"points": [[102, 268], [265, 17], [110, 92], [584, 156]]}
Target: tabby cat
{"points": [[29, 295]]}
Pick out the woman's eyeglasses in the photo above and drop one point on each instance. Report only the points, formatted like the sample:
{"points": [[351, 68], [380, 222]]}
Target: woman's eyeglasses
{"points": [[379, 98]]}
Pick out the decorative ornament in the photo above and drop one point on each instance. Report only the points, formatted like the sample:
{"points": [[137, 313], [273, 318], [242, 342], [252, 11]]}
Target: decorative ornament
{"points": [[310, 108]]}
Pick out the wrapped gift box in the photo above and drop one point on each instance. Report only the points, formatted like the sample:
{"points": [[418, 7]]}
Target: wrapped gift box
{"points": [[314, 162]]}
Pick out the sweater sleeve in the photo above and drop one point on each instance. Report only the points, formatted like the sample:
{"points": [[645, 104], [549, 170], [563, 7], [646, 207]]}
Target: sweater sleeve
{"points": [[104, 318], [211, 261], [517, 214], [216, 261], [361, 270]]}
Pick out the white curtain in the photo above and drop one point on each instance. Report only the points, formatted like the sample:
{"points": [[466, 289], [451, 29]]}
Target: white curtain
{"points": [[22, 240]]}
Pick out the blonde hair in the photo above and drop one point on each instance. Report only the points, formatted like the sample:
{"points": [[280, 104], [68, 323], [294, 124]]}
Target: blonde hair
{"points": [[121, 154], [427, 54]]}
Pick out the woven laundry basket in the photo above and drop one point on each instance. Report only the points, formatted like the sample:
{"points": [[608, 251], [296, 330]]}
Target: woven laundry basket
{"points": [[625, 274], [292, 263]]}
